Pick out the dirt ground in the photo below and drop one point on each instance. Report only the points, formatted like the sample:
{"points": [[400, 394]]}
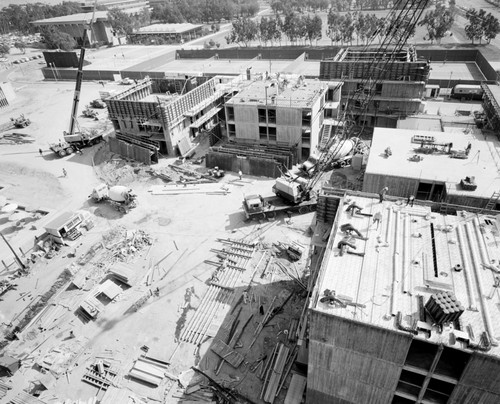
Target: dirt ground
{"points": [[184, 231]]}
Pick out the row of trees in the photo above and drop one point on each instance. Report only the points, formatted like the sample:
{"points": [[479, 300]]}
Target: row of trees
{"points": [[203, 10], [284, 6]]}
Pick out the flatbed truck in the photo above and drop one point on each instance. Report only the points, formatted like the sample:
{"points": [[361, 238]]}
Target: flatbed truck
{"points": [[258, 207]]}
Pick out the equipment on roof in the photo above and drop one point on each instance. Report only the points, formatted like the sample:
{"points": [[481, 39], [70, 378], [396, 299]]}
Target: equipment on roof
{"points": [[468, 183]]}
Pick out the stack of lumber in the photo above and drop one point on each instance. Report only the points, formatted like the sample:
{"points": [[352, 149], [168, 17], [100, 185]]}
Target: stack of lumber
{"points": [[206, 189], [274, 373], [216, 302], [101, 374], [109, 289], [25, 398], [124, 274], [4, 387], [149, 370], [115, 395], [227, 353], [296, 389], [91, 306]]}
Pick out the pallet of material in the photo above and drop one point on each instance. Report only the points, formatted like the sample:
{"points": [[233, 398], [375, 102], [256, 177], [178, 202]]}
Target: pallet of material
{"points": [[124, 274], [149, 370], [92, 306], [25, 398], [109, 289], [227, 353]]}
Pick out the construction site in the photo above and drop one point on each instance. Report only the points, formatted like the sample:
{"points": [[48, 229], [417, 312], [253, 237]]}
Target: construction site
{"points": [[315, 229]]}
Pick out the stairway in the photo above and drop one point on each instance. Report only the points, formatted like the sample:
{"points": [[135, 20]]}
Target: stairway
{"points": [[492, 202], [325, 136]]}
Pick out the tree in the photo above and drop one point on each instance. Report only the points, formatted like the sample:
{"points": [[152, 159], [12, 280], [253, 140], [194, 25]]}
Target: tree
{"points": [[4, 49], [334, 21], [243, 31], [21, 46], [491, 27], [313, 28], [347, 28], [55, 39], [438, 22], [474, 29]]}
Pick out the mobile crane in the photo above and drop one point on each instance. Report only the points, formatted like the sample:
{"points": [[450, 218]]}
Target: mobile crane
{"points": [[296, 194], [74, 140]]}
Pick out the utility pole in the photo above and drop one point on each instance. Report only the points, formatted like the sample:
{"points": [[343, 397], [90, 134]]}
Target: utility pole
{"points": [[13, 252]]}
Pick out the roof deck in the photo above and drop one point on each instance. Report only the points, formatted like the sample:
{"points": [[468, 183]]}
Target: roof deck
{"points": [[293, 92], [483, 161], [410, 253]]}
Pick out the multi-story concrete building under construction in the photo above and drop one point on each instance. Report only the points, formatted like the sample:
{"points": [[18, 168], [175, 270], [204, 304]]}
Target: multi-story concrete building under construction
{"points": [[394, 83], [165, 115]]}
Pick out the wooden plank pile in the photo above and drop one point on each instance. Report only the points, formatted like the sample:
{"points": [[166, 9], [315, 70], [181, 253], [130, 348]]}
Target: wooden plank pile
{"points": [[149, 370], [109, 289], [90, 308], [296, 390], [101, 375], [124, 274], [227, 353], [4, 388], [25, 398], [216, 301], [276, 371]]}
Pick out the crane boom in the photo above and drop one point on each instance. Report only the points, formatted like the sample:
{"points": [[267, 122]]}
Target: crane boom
{"points": [[79, 76]]}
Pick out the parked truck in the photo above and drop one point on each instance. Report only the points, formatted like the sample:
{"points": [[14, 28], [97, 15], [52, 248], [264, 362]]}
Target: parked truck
{"points": [[290, 198], [118, 196], [75, 142]]}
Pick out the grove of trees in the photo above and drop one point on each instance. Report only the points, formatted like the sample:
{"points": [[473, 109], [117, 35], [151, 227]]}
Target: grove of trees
{"points": [[481, 25]]}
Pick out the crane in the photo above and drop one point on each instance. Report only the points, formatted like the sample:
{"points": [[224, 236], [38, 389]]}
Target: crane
{"points": [[296, 191], [72, 139]]}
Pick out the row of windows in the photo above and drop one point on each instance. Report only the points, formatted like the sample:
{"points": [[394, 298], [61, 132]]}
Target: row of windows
{"points": [[268, 115]]}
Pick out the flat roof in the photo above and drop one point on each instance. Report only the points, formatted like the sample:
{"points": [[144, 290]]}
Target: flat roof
{"points": [[60, 220], [298, 93], [455, 70], [168, 28], [483, 161], [412, 253], [81, 18]]}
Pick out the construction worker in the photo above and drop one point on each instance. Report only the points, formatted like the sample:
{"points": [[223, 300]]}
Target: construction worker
{"points": [[410, 200], [377, 217], [348, 228], [64, 172], [40, 151], [344, 243], [240, 174], [382, 193], [354, 208]]}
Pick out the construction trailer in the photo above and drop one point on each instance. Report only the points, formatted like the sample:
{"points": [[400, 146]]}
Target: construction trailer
{"points": [[400, 87], [281, 110], [65, 227], [409, 314], [151, 115], [436, 176], [491, 107]]}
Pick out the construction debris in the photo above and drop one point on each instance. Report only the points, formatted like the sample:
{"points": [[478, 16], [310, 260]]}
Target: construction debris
{"points": [[149, 370]]}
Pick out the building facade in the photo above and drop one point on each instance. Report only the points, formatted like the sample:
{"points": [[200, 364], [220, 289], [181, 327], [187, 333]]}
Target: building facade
{"points": [[167, 113], [100, 33], [127, 6], [415, 319], [287, 111], [159, 33], [394, 85]]}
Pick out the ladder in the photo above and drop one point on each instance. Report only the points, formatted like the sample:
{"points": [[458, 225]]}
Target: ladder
{"points": [[325, 136], [492, 202]]}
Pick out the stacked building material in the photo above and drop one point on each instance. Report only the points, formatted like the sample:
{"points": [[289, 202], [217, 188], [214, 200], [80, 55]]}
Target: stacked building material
{"points": [[444, 307], [149, 370], [4, 388]]}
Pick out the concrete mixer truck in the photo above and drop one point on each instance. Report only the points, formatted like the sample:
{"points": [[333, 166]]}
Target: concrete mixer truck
{"points": [[120, 197]]}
